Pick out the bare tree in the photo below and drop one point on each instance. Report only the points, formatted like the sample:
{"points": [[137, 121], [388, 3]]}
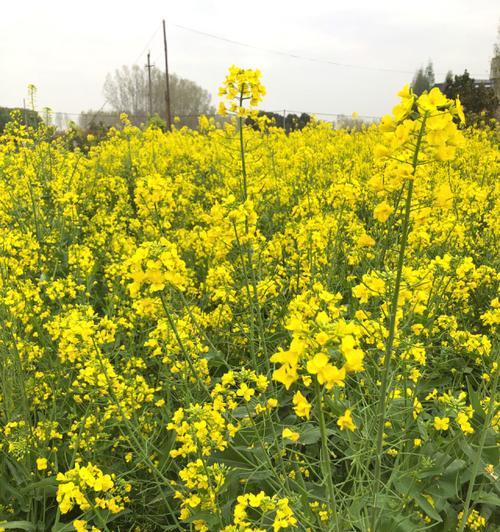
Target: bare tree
{"points": [[126, 90]]}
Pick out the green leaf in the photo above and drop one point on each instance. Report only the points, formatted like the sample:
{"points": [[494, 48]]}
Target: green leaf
{"points": [[397, 523], [19, 525], [448, 484], [427, 507], [45, 488], [455, 467], [215, 359], [486, 498], [208, 517], [312, 435], [409, 487], [256, 475], [240, 412], [4, 485]]}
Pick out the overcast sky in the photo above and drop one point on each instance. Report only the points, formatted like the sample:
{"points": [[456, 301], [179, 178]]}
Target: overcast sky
{"points": [[66, 48]]}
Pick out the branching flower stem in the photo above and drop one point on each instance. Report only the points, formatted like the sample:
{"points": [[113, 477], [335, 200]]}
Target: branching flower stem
{"points": [[381, 411]]}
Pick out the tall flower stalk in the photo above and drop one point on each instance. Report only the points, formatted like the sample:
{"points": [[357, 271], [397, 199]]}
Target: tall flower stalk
{"points": [[241, 86], [381, 410], [408, 146]]}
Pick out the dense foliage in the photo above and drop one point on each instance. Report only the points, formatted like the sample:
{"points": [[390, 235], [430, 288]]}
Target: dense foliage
{"points": [[238, 329], [23, 116], [479, 100], [287, 121]]}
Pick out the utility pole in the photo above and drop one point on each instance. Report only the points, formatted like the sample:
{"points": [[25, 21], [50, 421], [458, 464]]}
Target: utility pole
{"points": [[149, 66], [284, 120], [25, 113], [167, 93]]}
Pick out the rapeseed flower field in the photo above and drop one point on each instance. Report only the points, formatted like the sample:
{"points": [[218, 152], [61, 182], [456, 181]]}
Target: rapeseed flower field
{"points": [[237, 329]]}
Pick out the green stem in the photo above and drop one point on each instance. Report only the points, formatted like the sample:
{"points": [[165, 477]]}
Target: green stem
{"points": [[477, 460], [242, 150], [326, 466], [180, 343], [266, 453], [251, 323], [136, 436], [392, 329]]}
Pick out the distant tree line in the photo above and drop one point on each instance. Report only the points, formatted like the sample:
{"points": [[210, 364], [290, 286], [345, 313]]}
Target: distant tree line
{"points": [[26, 117], [478, 98], [424, 79], [287, 121]]}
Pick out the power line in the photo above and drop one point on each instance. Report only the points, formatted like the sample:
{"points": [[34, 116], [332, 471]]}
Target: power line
{"points": [[297, 56], [267, 50], [140, 55], [264, 49], [148, 43]]}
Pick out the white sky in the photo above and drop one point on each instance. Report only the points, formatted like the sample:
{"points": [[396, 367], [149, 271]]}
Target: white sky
{"points": [[66, 48]]}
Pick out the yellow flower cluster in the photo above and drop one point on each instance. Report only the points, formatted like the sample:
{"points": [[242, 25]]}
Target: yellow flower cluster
{"points": [[426, 119], [261, 504], [475, 521], [201, 488], [156, 265], [200, 429], [88, 487], [320, 336], [241, 85]]}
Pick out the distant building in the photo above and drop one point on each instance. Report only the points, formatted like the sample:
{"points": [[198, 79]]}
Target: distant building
{"points": [[495, 75], [492, 83], [477, 82]]}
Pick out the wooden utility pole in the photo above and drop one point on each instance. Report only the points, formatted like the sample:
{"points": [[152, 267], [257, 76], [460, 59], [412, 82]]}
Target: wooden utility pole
{"points": [[167, 93], [25, 113], [149, 66]]}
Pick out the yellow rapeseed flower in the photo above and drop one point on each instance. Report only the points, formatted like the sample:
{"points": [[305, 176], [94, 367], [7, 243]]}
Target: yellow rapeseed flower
{"points": [[346, 422], [290, 434], [382, 212], [41, 464], [441, 423], [302, 407]]}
